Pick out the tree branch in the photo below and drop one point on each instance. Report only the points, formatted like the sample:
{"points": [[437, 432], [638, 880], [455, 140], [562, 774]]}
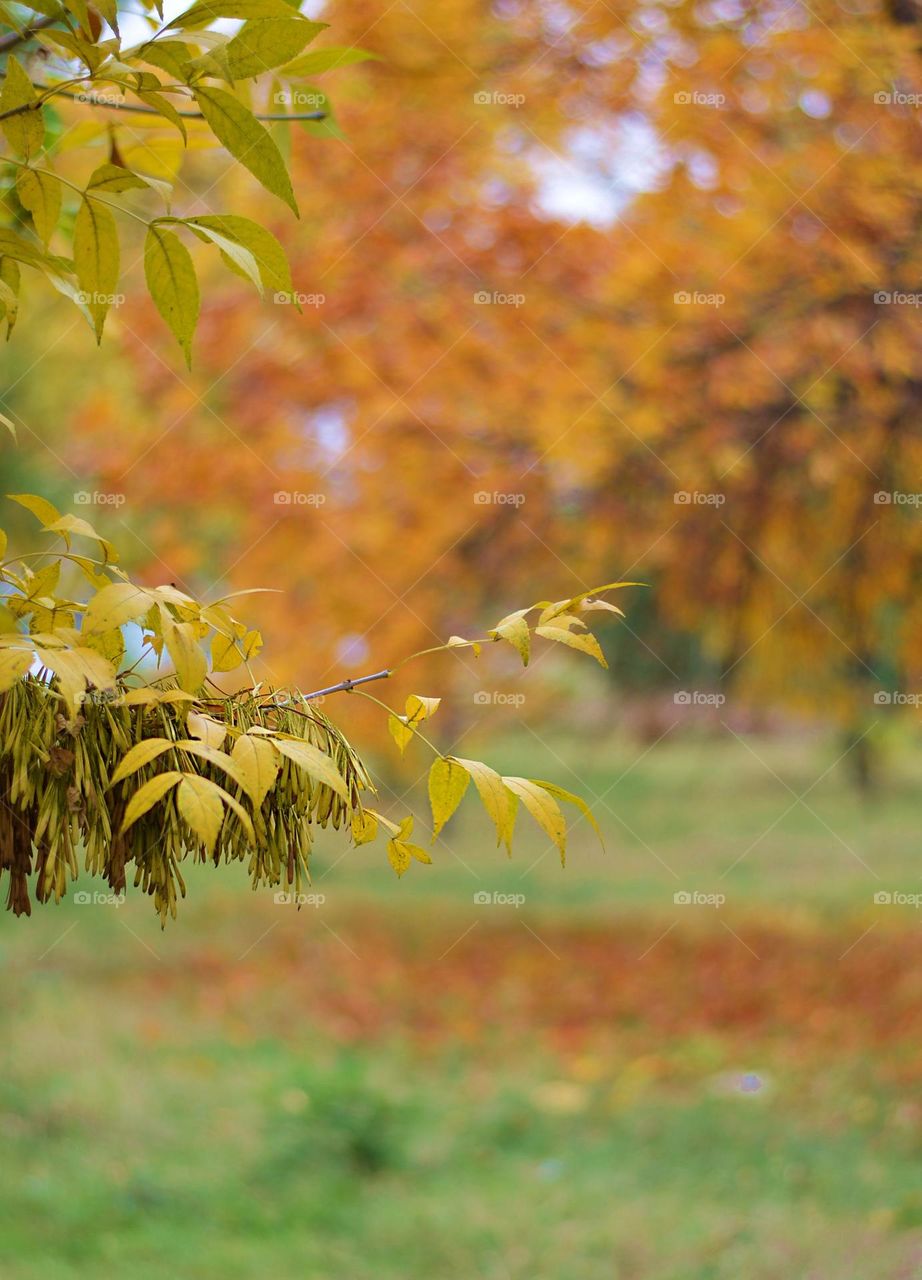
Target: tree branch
{"points": [[345, 686], [16, 38]]}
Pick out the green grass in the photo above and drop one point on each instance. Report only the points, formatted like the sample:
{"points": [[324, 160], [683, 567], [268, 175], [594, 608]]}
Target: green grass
{"points": [[260, 1092]]}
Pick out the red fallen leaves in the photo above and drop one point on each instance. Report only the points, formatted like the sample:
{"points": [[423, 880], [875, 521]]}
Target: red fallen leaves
{"points": [[566, 988]]}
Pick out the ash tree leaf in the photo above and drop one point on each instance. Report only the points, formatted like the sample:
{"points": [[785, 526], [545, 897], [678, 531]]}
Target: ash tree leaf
{"points": [[259, 765], [318, 60], [40, 507], [399, 730], [309, 758], [585, 641], [399, 856], [543, 808], [499, 802], [448, 781], [114, 605], [115, 178], [234, 253], [200, 803], [209, 731], [364, 827], [237, 129], [419, 708], [40, 193], [262, 244], [559, 793], [265, 43], [25, 131], [205, 11], [10, 279], [138, 756], [182, 643], [147, 796], [96, 258], [172, 283], [13, 666], [515, 630]]}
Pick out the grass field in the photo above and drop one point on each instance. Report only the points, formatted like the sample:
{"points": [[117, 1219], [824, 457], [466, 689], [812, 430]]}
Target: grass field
{"points": [[592, 1082]]}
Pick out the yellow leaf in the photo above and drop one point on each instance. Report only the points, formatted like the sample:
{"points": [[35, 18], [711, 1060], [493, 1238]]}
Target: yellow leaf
{"points": [[13, 666], [543, 808], [399, 731], [259, 765], [560, 794], [584, 641], [199, 801], [209, 731], [114, 605], [364, 827], [499, 802], [399, 856], [319, 766], [419, 708], [147, 796], [181, 640], [141, 753], [448, 781]]}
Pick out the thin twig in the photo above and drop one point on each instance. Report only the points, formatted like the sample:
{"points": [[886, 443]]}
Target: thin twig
{"points": [[16, 38], [345, 686]]}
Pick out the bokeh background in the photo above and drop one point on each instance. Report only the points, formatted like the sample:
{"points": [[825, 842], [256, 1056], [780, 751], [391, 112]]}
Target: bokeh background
{"points": [[590, 291]]}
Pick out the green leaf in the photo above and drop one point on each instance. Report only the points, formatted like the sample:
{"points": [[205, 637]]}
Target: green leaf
{"points": [[543, 808], [115, 178], [262, 244], [163, 105], [147, 796], [448, 781], [499, 802], [237, 129], [266, 43], [200, 803], [25, 132], [171, 280], [320, 767], [318, 60], [40, 192], [240, 258], [205, 11], [96, 257]]}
